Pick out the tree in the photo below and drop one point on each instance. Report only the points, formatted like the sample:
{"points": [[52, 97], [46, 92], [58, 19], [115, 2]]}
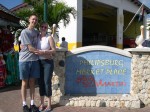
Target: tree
{"points": [[57, 11]]}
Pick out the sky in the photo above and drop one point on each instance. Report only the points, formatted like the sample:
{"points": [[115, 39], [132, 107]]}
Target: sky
{"points": [[10, 3]]}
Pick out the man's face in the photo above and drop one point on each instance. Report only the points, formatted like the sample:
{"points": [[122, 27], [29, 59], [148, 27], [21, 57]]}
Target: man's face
{"points": [[33, 20]]}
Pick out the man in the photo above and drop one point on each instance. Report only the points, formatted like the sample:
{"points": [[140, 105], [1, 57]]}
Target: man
{"points": [[28, 62], [64, 44]]}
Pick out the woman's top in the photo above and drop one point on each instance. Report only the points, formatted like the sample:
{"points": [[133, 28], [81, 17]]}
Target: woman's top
{"points": [[44, 44]]}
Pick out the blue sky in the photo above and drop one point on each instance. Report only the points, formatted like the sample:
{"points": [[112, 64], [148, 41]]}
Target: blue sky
{"points": [[10, 3]]}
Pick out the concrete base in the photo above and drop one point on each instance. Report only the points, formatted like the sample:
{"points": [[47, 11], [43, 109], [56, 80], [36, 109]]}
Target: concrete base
{"points": [[119, 101]]}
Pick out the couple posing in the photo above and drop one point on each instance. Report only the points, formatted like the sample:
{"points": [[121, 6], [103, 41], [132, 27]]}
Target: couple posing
{"points": [[35, 61]]}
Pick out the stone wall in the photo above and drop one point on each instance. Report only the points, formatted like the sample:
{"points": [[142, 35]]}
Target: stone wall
{"points": [[58, 79], [140, 85], [141, 75]]}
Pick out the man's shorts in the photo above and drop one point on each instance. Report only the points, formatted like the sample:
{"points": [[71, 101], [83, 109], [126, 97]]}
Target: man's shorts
{"points": [[30, 69]]}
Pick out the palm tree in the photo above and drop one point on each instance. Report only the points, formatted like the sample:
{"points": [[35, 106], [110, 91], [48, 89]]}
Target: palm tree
{"points": [[57, 11]]}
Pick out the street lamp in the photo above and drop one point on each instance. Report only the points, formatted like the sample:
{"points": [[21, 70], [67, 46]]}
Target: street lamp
{"points": [[45, 10]]}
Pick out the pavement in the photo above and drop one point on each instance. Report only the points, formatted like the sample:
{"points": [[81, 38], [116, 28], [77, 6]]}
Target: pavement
{"points": [[10, 101]]}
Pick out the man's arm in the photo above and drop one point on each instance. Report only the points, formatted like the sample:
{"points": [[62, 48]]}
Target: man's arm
{"points": [[32, 49]]}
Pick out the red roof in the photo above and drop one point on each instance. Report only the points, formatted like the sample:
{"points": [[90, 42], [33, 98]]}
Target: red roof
{"points": [[19, 7]]}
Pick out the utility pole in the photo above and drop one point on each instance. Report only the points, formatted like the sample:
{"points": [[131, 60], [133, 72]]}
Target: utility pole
{"points": [[45, 10]]}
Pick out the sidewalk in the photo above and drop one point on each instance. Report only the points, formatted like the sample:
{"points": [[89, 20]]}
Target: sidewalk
{"points": [[10, 101]]}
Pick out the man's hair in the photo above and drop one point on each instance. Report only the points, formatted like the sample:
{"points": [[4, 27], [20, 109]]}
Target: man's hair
{"points": [[63, 38], [33, 15]]}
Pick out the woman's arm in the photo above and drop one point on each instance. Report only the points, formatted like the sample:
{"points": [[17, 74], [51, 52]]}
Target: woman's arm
{"points": [[52, 47]]}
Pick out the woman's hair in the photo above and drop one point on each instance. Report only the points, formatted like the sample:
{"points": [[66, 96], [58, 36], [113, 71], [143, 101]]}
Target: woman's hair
{"points": [[43, 23]]}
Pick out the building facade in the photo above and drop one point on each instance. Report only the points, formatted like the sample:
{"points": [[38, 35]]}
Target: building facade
{"points": [[103, 22]]}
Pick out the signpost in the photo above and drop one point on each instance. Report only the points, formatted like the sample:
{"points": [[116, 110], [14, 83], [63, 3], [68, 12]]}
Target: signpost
{"points": [[45, 11], [98, 72]]}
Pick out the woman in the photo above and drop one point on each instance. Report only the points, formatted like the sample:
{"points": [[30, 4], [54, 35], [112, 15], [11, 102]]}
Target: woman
{"points": [[47, 46]]}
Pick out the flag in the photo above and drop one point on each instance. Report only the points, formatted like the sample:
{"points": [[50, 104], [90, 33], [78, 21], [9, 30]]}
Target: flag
{"points": [[141, 15]]}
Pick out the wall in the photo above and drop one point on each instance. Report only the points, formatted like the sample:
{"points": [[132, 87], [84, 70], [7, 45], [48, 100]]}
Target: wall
{"points": [[125, 4], [58, 78], [141, 74], [140, 80], [73, 31], [134, 29], [70, 31]]}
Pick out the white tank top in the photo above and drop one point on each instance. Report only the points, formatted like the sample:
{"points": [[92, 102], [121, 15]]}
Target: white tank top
{"points": [[44, 44]]}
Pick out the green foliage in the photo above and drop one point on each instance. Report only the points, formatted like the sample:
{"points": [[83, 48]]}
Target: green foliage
{"points": [[61, 12], [56, 11], [24, 14]]}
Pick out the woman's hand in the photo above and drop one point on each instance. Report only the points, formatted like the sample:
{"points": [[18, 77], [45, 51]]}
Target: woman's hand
{"points": [[39, 52], [44, 53]]}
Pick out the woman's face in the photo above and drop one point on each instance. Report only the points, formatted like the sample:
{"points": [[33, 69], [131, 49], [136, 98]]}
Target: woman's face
{"points": [[43, 28]]}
